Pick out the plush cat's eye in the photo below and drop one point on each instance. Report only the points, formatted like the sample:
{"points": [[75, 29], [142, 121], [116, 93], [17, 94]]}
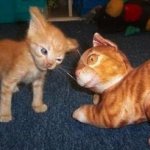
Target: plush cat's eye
{"points": [[44, 51], [92, 59]]}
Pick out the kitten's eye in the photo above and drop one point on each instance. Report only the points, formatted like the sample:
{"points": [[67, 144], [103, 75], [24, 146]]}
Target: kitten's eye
{"points": [[44, 51], [59, 60], [92, 59]]}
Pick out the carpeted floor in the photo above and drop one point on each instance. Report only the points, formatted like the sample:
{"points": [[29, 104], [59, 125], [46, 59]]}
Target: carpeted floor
{"points": [[55, 129]]}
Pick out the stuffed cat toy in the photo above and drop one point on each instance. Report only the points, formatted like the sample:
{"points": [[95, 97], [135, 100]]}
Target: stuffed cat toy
{"points": [[28, 60], [122, 93]]}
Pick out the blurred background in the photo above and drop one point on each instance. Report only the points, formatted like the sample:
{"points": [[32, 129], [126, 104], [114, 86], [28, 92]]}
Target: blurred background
{"points": [[57, 10]]}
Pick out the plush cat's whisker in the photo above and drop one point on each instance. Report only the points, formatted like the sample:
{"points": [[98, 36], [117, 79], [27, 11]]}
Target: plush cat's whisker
{"points": [[68, 73], [79, 52], [81, 57]]}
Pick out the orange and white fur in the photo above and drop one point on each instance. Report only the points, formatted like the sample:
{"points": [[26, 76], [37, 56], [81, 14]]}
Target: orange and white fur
{"points": [[122, 93], [28, 60]]}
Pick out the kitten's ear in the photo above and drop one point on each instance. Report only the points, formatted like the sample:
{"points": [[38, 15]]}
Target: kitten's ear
{"points": [[72, 44], [98, 40], [37, 21]]}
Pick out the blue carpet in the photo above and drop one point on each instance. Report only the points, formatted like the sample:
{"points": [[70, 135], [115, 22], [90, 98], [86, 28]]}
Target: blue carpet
{"points": [[55, 129]]}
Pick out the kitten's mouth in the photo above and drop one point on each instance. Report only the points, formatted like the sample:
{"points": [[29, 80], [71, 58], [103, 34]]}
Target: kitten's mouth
{"points": [[44, 68], [47, 68], [51, 68]]}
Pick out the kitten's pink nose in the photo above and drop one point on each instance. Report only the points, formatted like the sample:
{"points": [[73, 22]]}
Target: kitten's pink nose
{"points": [[49, 65]]}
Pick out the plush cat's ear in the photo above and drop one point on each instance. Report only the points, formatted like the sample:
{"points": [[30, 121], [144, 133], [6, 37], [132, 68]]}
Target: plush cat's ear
{"points": [[72, 44], [37, 21], [98, 40]]}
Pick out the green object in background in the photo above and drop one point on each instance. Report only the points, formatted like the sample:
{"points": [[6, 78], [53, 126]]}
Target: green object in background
{"points": [[18, 10], [131, 30], [22, 8], [7, 11]]}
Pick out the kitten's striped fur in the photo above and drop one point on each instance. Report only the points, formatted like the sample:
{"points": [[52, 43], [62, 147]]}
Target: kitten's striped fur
{"points": [[122, 92]]}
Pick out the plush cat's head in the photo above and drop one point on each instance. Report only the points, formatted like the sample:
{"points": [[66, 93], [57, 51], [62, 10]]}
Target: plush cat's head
{"points": [[48, 45], [101, 66]]}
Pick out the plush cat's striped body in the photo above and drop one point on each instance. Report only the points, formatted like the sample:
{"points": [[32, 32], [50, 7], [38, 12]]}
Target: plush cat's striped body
{"points": [[122, 92]]}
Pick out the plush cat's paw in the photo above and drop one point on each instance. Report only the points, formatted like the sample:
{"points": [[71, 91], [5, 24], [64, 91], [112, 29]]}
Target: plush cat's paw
{"points": [[5, 118], [40, 108], [96, 99], [80, 114]]}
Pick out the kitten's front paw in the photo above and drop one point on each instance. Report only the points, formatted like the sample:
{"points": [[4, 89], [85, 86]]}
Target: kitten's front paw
{"points": [[16, 89], [41, 108], [5, 118]]}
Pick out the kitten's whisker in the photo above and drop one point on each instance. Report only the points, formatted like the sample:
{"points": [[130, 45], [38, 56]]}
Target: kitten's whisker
{"points": [[67, 67], [60, 71], [68, 74]]}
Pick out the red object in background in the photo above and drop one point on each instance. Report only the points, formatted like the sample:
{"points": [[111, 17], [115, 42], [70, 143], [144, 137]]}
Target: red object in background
{"points": [[133, 12]]}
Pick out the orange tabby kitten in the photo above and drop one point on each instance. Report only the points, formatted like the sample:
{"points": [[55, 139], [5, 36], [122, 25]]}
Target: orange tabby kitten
{"points": [[27, 61], [122, 92]]}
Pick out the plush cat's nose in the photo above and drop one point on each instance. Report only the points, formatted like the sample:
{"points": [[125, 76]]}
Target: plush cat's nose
{"points": [[78, 72]]}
